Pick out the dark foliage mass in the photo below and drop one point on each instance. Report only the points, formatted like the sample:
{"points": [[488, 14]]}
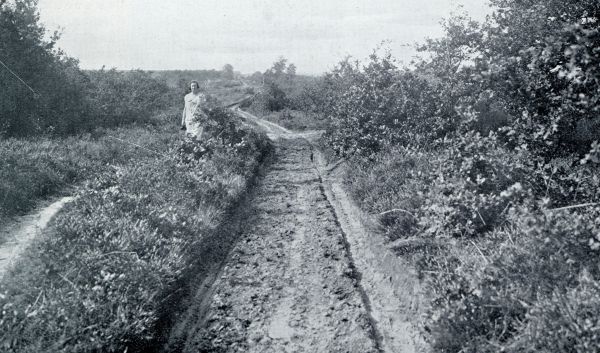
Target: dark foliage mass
{"points": [[56, 97]]}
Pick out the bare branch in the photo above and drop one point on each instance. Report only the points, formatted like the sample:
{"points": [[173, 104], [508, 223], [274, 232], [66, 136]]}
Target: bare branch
{"points": [[576, 206]]}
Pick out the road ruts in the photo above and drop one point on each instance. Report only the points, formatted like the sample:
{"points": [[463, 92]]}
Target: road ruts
{"points": [[289, 284]]}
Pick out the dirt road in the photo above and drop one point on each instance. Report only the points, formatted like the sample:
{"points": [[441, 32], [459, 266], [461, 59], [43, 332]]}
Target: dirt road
{"points": [[290, 283]]}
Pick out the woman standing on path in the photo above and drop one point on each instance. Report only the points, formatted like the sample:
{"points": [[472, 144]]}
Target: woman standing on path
{"points": [[193, 103]]}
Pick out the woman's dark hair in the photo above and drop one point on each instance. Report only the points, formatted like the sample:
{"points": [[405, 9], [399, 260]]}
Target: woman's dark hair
{"points": [[196, 82]]}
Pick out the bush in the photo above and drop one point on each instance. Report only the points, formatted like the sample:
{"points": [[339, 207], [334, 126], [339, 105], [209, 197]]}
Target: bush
{"points": [[513, 301], [58, 98], [504, 263], [57, 103], [379, 105], [118, 98], [495, 255]]}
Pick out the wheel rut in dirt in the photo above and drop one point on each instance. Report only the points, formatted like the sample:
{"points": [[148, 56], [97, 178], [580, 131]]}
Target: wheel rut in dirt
{"points": [[289, 284]]}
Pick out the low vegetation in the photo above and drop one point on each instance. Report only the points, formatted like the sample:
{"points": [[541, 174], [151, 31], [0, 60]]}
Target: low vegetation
{"points": [[37, 168], [104, 276], [100, 278]]}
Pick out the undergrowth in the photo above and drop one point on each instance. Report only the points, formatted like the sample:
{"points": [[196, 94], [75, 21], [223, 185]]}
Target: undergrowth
{"points": [[99, 279], [37, 168], [508, 264], [481, 161]]}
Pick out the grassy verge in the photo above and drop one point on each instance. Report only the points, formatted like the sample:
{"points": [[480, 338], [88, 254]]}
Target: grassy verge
{"points": [[99, 280], [505, 260], [36, 168]]}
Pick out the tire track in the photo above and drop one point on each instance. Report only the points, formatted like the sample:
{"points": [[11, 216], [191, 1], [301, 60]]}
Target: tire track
{"points": [[307, 276], [289, 284]]}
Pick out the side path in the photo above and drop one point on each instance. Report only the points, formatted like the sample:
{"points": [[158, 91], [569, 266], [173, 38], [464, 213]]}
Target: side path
{"points": [[21, 232], [289, 284]]}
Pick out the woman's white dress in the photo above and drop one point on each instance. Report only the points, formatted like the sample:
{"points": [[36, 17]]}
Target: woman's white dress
{"points": [[193, 104]]}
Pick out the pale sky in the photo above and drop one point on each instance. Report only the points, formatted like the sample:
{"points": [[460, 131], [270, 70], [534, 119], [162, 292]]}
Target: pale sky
{"points": [[248, 34]]}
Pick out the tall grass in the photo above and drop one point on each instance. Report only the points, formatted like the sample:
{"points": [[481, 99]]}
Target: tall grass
{"points": [[36, 168]]}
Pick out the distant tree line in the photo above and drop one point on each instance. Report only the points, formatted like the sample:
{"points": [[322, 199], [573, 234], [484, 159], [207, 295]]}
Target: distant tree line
{"points": [[283, 88]]}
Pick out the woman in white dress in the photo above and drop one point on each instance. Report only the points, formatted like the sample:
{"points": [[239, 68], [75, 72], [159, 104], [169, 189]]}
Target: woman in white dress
{"points": [[193, 104]]}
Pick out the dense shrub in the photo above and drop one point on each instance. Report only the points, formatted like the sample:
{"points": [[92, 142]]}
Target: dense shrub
{"points": [[379, 105], [460, 188], [540, 272], [536, 59], [530, 69], [502, 255], [65, 100], [57, 102], [485, 153], [123, 97]]}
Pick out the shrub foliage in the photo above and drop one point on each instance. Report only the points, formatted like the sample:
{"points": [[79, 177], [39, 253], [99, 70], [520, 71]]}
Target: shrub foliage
{"points": [[56, 97], [486, 151]]}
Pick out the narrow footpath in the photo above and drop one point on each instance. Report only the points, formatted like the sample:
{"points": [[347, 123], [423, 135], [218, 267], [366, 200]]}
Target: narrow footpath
{"points": [[21, 232], [291, 283]]}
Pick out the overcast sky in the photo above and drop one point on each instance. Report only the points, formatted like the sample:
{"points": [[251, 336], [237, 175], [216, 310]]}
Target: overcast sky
{"points": [[249, 34]]}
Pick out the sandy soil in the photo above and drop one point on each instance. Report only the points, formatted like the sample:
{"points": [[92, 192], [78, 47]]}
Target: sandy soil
{"points": [[23, 230], [304, 274], [392, 286], [288, 285]]}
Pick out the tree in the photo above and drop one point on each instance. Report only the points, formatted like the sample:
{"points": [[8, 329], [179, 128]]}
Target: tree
{"points": [[278, 68], [291, 70], [58, 103], [537, 58], [257, 77], [228, 73]]}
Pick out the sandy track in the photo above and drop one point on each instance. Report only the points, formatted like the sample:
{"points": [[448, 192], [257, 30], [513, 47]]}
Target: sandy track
{"points": [[21, 232], [289, 284], [304, 275], [391, 284]]}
